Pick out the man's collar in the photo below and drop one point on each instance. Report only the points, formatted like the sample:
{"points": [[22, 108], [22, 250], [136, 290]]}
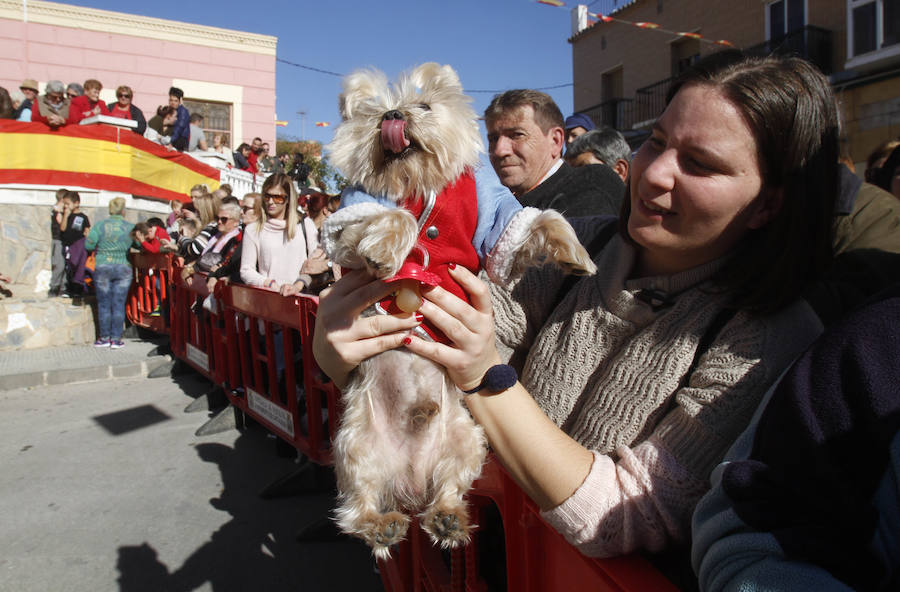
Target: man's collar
{"points": [[551, 172]]}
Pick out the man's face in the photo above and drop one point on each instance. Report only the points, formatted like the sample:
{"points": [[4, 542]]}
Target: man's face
{"points": [[574, 133], [520, 152], [256, 145], [54, 98], [29, 93], [174, 102]]}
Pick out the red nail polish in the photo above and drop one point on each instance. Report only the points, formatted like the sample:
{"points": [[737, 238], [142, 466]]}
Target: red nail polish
{"points": [[452, 266], [407, 340], [419, 317]]}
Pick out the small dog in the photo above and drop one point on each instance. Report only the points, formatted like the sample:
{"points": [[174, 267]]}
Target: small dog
{"points": [[406, 443]]}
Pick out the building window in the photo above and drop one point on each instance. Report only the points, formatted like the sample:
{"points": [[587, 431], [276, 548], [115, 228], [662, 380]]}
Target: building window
{"points": [[783, 17], [216, 119], [685, 53], [874, 25]]}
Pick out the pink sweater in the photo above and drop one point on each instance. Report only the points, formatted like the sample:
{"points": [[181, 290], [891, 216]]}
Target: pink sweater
{"points": [[268, 254]]}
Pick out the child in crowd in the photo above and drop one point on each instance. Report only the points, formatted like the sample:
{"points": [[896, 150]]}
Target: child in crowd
{"points": [[174, 214], [152, 237], [57, 251], [74, 227]]}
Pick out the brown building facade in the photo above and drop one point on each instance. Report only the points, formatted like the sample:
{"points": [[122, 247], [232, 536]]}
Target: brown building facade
{"points": [[621, 72]]}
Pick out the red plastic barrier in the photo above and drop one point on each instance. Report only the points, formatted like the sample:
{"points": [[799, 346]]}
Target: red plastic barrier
{"points": [[538, 559], [148, 297], [195, 330], [270, 341]]}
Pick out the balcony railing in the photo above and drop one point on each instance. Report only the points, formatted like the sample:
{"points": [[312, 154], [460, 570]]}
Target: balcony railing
{"points": [[811, 43], [614, 113]]}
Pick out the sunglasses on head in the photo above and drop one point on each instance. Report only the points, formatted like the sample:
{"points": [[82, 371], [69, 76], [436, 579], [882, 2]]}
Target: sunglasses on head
{"points": [[279, 199]]}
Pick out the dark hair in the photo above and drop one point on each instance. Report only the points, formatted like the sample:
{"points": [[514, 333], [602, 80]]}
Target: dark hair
{"points": [[881, 152], [174, 91], [316, 202], [546, 113], [164, 111], [792, 114], [195, 117], [230, 199], [885, 173], [226, 187], [156, 222], [6, 107], [142, 227], [242, 146], [72, 196]]}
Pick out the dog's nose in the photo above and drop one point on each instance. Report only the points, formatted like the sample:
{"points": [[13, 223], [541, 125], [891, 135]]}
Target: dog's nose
{"points": [[392, 115]]}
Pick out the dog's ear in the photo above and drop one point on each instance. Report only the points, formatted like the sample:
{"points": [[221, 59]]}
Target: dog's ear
{"points": [[431, 76], [360, 87]]}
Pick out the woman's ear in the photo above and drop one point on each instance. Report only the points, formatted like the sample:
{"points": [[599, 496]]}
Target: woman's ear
{"points": [[768, 205]]}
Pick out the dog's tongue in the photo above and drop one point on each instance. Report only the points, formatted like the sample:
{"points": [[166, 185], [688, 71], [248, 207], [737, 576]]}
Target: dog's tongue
{"points": [[393, 137]]}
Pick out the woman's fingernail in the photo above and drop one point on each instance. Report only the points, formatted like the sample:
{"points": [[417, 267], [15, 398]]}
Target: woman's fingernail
{"points": [[452, 266], [419, 317], [407, 340]]}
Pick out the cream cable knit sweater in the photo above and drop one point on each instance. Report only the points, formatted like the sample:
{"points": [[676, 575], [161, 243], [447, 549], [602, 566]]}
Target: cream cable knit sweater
{"points": [[606, 368]]}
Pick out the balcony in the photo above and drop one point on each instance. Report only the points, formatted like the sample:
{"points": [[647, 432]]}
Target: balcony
{"points": [[811, 43]]}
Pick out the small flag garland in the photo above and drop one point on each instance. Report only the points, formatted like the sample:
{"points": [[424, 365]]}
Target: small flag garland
{"points": [[322, 124], [639, 24]]}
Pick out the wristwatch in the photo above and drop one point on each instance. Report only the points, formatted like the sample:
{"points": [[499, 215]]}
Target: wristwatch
{"points": [[497, 378]]}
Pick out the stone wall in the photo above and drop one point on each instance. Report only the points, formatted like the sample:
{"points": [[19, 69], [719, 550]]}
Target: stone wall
{"points": [[29, 323]]}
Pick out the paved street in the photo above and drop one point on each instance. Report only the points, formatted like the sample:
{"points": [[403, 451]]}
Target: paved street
{"points": [[104, 486]]}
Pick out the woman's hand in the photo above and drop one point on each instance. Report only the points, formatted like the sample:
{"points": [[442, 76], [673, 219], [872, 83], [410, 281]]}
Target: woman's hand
{"points": [[317, 262], [292, 289], [469, 327], [342, 338], [211, 284]]}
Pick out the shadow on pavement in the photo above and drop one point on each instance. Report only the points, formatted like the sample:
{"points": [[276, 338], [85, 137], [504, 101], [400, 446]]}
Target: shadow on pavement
{"points": [[257, 548]]}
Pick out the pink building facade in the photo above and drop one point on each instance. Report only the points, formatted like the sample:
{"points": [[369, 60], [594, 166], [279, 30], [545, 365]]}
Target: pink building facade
{"points": [[227, 75]]}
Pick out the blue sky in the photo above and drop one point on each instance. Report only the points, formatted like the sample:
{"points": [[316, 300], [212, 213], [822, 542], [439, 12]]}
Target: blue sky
{"points": [[494, 45]]}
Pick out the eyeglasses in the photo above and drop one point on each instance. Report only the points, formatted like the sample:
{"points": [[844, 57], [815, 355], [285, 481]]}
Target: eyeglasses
{"points": [[72, 95], [246, 208], [279, 199], [223, 220], [123, 96], [54, 96]]}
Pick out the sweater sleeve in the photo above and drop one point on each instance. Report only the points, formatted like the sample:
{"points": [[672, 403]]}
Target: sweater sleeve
{"points": [[647, 496], [249, 255], [195, 247]]}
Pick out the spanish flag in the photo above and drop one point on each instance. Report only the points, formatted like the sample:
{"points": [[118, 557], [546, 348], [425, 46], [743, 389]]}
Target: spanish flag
{"points": [[99, 157], [322, 124]]}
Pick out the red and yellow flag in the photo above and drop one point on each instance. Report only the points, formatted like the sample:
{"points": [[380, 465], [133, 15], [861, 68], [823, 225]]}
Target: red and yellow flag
{"points": [[99, 157], [322, 124]]}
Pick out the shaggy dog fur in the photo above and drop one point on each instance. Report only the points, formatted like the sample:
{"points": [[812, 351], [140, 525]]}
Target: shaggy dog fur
{"points": [[406, 443]]}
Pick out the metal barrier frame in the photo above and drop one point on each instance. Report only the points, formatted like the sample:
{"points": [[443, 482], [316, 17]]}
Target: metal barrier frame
{"points": [[143, 298]]}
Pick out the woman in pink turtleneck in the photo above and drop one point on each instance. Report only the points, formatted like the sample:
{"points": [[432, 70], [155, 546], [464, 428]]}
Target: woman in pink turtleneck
{"points": [[275, 246]]}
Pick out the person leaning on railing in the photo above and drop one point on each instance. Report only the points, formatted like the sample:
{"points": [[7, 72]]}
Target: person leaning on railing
{"points": [[634, 382], [275, 246]]}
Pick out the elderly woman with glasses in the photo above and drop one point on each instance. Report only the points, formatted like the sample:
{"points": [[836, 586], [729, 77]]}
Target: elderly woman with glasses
{"points": [[222, 257], [124, 109], [52, 107], [275, 247]]}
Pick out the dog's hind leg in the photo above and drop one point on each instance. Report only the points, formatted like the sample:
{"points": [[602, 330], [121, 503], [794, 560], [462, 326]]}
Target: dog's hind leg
{"points": [[462, 454], [366, 508]]}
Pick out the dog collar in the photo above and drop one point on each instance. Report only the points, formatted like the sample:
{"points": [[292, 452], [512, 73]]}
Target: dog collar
{"points": [[497, 378]]}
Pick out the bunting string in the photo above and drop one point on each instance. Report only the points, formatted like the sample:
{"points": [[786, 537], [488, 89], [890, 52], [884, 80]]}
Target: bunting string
{"points": [[605, 18]]}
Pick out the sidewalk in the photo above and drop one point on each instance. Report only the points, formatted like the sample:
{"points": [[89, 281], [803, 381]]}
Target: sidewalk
{"points": [[77, 363]]}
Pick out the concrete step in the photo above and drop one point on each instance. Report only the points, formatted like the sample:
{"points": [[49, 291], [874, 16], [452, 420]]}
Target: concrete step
{"points": [[67, 364]]}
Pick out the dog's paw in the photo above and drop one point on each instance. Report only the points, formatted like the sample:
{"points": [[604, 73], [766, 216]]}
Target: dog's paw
{"points": [[383, 531], [386, 241], [449, 528]]}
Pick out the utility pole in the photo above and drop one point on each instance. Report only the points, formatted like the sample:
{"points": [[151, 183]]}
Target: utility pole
{"points": [[302, 117]]}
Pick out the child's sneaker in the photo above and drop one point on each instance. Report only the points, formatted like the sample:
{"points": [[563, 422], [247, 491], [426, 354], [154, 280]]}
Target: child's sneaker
{"points": [[117, 344], [102, 342]]}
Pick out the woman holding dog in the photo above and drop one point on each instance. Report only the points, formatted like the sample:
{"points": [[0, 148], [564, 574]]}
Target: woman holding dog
{"points": [[634, 382]]}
